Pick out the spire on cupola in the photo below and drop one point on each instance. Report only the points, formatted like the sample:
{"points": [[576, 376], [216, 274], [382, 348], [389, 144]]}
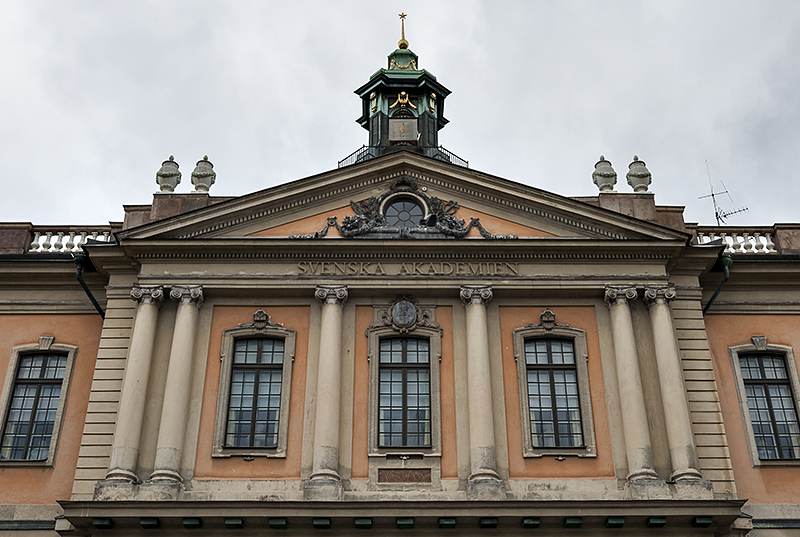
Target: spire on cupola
{"points": [[402, 108]]}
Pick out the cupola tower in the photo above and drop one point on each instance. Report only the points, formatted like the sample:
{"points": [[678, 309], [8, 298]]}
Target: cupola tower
{"points": [[403, 105]]}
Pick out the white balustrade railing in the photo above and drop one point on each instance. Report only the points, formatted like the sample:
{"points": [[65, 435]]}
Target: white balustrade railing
{"points": [[738, 241], [67, 240]]}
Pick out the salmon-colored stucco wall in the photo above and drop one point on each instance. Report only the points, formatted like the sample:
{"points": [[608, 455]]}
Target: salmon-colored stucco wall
{"points": [[292, 317], [762, 484], [583, 318], [449, 464], [46, 485], [315, 223]]}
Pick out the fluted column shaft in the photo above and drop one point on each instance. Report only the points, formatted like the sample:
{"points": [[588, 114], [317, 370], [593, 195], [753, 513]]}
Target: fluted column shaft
{"points": [[175, 410], [634, 414], [125, 451], [673, 395], [326, 423], [479, 387]]}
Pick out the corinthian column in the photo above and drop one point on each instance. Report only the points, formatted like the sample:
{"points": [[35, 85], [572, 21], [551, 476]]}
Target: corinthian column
{"points": [[125, 453], [326, 423], [634, 415], [175, 411], [479, 386], [673, 395]]}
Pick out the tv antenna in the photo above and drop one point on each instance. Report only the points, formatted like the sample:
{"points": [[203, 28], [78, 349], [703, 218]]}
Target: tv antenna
{"points": [[720, 214]]}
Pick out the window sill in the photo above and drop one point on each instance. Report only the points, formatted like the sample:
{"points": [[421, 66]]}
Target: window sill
{"points": [[761, 463], [386, 453], [585, 452], [21, 463], [269, 453]]}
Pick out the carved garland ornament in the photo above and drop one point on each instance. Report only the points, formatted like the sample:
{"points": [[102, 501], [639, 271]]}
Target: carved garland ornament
{"points": [[368, 216]]}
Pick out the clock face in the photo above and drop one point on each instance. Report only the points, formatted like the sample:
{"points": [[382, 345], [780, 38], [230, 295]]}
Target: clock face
{"points": [[404, 313]]}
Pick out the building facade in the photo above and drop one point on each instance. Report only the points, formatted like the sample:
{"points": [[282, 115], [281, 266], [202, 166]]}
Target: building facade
{"points": [[402, 343]]}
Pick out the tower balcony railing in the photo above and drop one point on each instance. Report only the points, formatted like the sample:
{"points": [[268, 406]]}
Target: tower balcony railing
{"points": [[368, 152]]}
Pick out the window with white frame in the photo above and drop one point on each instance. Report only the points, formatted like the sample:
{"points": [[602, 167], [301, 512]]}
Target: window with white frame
{"points": [[767, 385], [33, 401], [254, 389], [555, 401]]}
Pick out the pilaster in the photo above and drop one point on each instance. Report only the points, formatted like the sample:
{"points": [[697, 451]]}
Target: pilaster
{"points": [[178, 388], [484, 482], [634, 415], [325, 482], [679, 427], [125, 450]]}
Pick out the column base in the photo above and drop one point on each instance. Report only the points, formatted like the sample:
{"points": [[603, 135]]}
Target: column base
{"points": [[166, 475], [118, 474], [645, 474], [689, 474], [485, 487], [324, 489]]}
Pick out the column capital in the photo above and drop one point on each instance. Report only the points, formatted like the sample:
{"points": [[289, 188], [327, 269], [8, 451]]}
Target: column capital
{"points": [[476, 294], [334, 294], [186, 294], [619, 294], [659, 294], [148, 295]]}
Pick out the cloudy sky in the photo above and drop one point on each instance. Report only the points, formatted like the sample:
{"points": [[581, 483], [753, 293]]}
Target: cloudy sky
{"points": [[96, 94]]}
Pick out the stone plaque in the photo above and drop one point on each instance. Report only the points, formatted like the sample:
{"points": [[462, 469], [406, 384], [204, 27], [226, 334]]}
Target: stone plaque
{"points": [[404, 475]]}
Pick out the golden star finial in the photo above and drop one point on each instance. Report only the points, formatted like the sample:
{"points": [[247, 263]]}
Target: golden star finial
{"points": [[402, 43]]}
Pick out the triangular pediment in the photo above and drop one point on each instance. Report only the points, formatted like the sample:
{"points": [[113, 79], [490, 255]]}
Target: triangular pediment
{"points": [[501, 208]]}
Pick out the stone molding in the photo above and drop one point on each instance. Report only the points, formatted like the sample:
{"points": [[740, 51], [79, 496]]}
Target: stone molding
{"points": [[336, 294], [476, 294], [186, 294], [148, 295]]}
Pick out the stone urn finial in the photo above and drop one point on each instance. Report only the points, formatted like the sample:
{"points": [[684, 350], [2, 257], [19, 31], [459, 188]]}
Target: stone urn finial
{"points": [[203, 176], [168, 176], [638, 175], [604, 175]]}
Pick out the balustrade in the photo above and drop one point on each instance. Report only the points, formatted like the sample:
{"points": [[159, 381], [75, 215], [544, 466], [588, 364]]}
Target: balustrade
{"points": [[740, 240], [66, 239]]}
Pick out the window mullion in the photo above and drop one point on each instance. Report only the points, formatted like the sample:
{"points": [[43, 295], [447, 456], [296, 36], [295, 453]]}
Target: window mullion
{"points": [[34, 408]]}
